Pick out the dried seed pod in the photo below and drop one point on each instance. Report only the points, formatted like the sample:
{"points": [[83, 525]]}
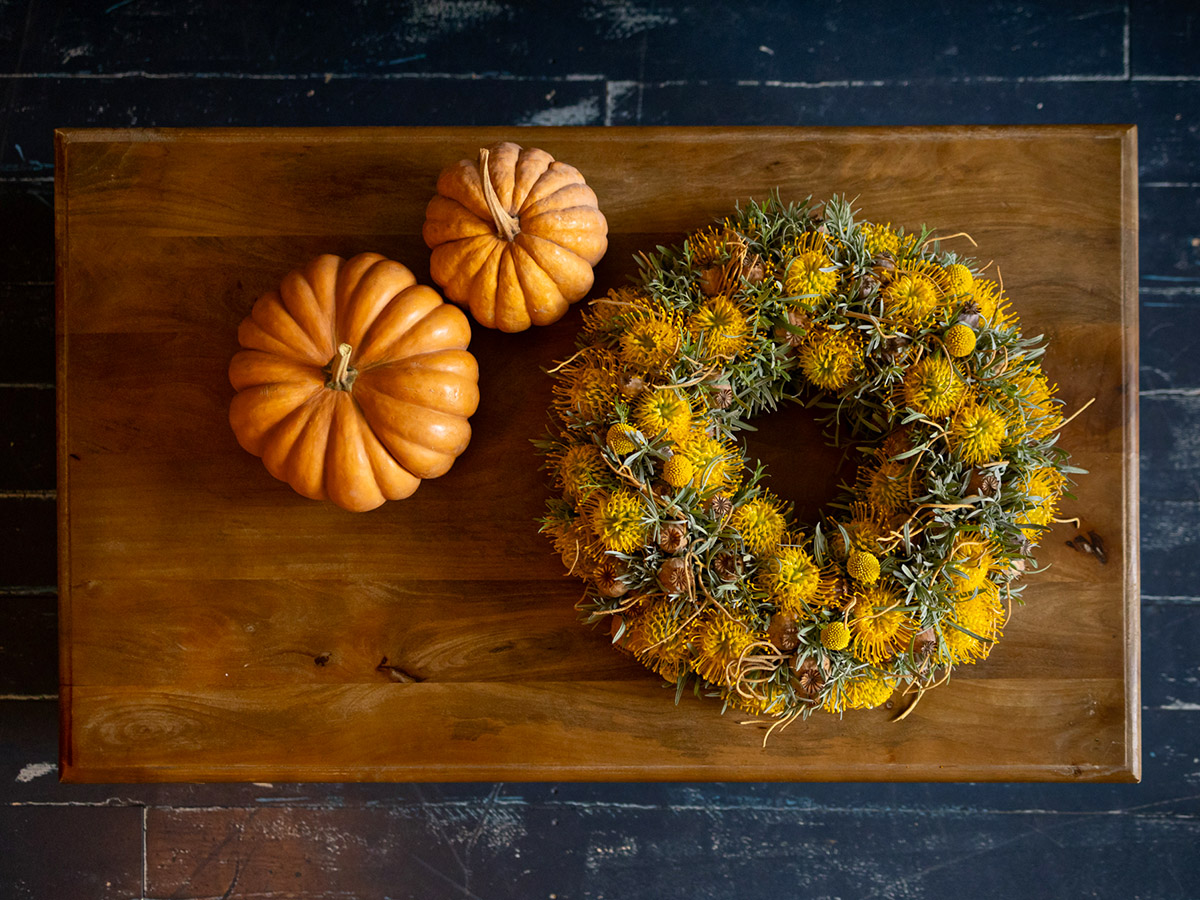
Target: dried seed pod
{"points": [[631, 385], [726, 566], [783, 632], [675, 575], [608, 578], [809, 679], [970, 315], [673, 537], [754, 271], [983, 484], [925, 643], [722, 397], [711, 281], [718, 506]]}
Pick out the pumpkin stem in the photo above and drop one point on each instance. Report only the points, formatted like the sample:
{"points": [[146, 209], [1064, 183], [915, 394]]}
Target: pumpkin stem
{"points": [[508, 226], [341, 376]]}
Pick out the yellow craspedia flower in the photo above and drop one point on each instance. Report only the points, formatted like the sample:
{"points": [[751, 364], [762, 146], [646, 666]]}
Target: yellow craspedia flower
{"points": [[659, 638], [811, 276], [829, 358], [910, 299], [879, 239], [761, 525], [719, 644], [879, 628], [973, 559], [579, 468], [663, 411], [791, 579], [617, 521], [960, 340], [649, 342], [976, 433], [835, 636], [678, 471], [932, 387], [863, 566], [960, 279], [620, 439], [1041, 488], [887, 486], [719, 328]]}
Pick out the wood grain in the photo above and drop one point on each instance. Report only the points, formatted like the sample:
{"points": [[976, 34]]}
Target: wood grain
{"points": [[197, 595]]}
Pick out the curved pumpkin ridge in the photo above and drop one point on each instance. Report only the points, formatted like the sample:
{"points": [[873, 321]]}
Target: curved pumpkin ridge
{"points": [[565, 197], [460, 182], [295, 448], [302, 304], [254, 367], [502, 165], [511, 312], [395, 322], [441, 381], [395, 482], [547, 304], [254, 413], [531, 166], [448, 220], [377, 287], [322, 275], [422, 440], [482, 291], [455, 266], [570, 271], [349, 477], [444, 326], [558, 176], [270, 327], [580, 229]]}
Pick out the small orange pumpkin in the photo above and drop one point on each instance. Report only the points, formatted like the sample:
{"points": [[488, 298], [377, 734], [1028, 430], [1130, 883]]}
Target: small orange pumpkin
{"points": [[354, 382], [514, 238]]}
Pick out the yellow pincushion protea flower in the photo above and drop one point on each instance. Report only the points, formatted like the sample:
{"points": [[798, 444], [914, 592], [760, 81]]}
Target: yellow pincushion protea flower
{"points": [[960, 280], [767, 699], [865, 527], [579, 468], [988, 297], [719, 327], [972, 558], [791, 579], [717, 465], [761, 525], [865, 692], [932, 387], [663, 411], [719, 643], [576, 546], [811, 276], [830, 358], [650, 341], [659, 638], [1036, 414], [887, 486], [617, 521], [976, 433], [709, 245], [879, 239], [678, 471], [835, 636], [910, 299], [612, 310], [589, 389], [973, 626], [879, 628], [863, 566], [960, 340], [1041, 489]]}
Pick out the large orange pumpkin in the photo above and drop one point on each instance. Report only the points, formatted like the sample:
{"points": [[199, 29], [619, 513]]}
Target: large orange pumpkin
{"points": [[514, 237], [355, 382]]}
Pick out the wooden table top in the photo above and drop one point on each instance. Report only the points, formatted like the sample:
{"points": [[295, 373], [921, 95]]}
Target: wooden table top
{"points": [[214, 625]]}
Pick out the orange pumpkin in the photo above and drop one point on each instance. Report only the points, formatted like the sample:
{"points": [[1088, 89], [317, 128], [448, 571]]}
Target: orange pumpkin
{"points": [[514, 237], [354, 382]]}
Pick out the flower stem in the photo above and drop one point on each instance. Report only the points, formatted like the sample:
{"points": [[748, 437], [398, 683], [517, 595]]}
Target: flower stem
{"points": [[508, 226]]}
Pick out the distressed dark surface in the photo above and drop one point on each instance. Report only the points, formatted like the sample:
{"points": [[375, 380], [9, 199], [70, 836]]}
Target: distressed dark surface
{"points": [[165, 62]]}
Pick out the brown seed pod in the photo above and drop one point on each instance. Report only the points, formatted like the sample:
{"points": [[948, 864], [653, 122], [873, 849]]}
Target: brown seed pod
{"points": [[722, 397], [726, 566], [675, 575], [970, 315], [711, 281], [608, 578], [718, 506], [673, 537], [983, 484], [782, 631], [754, 271], [809, 679]]}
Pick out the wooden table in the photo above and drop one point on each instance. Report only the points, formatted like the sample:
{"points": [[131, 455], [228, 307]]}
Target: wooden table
{"points": [[216, 626]]}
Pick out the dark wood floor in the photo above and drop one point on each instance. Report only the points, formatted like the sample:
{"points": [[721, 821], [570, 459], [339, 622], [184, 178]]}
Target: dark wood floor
{"points": [[167, 62]]}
